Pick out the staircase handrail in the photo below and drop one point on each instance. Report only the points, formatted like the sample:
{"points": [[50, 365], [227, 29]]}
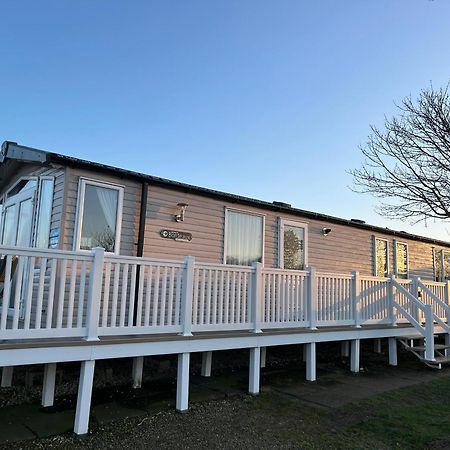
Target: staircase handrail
{"points": [[414, 322], [426, 331], [438, 301]]}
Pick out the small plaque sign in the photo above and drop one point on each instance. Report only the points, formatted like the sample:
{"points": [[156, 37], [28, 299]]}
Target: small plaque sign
{"points": [[176, 235], [53, 238]]}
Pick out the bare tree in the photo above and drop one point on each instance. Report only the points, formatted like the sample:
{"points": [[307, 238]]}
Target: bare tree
{"points": [[407, 164]]}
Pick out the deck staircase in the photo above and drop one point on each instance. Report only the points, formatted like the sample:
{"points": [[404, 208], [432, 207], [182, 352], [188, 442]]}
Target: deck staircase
{"points": [[417, 346], [427, 314]]}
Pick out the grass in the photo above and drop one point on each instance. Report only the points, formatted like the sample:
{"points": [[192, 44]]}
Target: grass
{"points": [[415, 417]]}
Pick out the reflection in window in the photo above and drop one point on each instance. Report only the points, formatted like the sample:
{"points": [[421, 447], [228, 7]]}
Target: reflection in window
{"points": [[401, 259], [99, 217], [44, 213], [10, 226], [381, 258], [22, 185], [294, 247], [243, 238], [442, 265], [23, 226]]}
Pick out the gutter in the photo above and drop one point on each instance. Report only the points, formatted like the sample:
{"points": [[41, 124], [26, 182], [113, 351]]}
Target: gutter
{"points": [[140, 243]]}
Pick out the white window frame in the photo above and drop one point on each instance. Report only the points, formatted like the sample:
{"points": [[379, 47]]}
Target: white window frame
{"points": [[83, 182], [6, 200], [251, 213], [35, 178], [395, 242], [293, 223], [440, 252], [38, 207], [375, 239]]}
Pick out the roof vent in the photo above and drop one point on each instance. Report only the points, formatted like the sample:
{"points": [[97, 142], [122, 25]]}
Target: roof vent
{"points": [[282, 204], [358, 221]]}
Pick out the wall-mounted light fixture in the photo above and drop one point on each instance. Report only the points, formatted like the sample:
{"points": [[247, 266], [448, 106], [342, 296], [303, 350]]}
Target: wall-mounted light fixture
{"points": [[180, 216], [326, 231]]}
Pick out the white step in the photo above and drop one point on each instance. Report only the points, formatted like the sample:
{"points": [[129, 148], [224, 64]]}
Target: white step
{"points": [[421, 348]]}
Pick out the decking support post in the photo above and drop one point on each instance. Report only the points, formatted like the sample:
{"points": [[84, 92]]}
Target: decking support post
{"points": [[84, 397], [355, 345], [254, 370], [263, 357], [447, 344], [429, 333], [392, 344], [206, 364], [7, 375], [186, 296], [311, 361], [48, 385], [137, 371], [312, 298], [257, 300], [345, 349], [94, 294], [356, 298], [377, 345], [182, 403], [392, 292]]}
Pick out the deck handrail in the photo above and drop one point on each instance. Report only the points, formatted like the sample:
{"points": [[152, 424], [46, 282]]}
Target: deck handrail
{"points": [[89, 294]]}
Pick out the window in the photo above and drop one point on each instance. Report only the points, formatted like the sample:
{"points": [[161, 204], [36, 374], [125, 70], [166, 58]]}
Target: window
{"points": [[244, 238], [401, 259], [21, 186], [44, 214], [381, 258], [18, 213], [292, 242], [99, 216], [442, 265]]}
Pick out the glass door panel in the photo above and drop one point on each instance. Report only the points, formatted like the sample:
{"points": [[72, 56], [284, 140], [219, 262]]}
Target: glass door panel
{"points": [[10, 228], [24, 223]]}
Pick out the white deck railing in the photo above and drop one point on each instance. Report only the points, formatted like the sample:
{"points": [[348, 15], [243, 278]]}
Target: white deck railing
{"points": [[52, 293]]}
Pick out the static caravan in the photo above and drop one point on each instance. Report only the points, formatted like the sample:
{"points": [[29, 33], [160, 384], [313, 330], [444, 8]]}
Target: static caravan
{"points": [[54, 201], [99, 262]]}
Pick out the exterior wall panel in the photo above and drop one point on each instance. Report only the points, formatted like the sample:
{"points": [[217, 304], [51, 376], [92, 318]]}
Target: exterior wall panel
{"points": [[345, 249]]}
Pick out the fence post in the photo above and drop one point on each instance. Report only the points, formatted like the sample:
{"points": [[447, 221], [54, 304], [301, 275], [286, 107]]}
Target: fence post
{"points": [[447, 301], [417, 295], [429, 333], [312, 298], [94, 294], [257, 297], [392, 293], [186, 296], [357, 299]]}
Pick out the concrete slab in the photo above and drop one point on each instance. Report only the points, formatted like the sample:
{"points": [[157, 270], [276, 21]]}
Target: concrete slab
{"points": [[12, 431], [45, 424], [108, 412], [30, 421], [204, 393]]}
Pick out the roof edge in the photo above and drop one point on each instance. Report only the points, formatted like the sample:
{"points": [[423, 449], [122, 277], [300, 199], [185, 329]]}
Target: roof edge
{"points": [[233, 198]]}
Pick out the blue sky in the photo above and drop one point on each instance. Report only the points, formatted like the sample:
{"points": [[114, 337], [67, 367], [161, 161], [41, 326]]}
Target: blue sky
{"points": [[268, 99]]}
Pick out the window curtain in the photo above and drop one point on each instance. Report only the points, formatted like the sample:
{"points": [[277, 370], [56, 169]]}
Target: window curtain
{"points": [[108, 202], [244, 238]]}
